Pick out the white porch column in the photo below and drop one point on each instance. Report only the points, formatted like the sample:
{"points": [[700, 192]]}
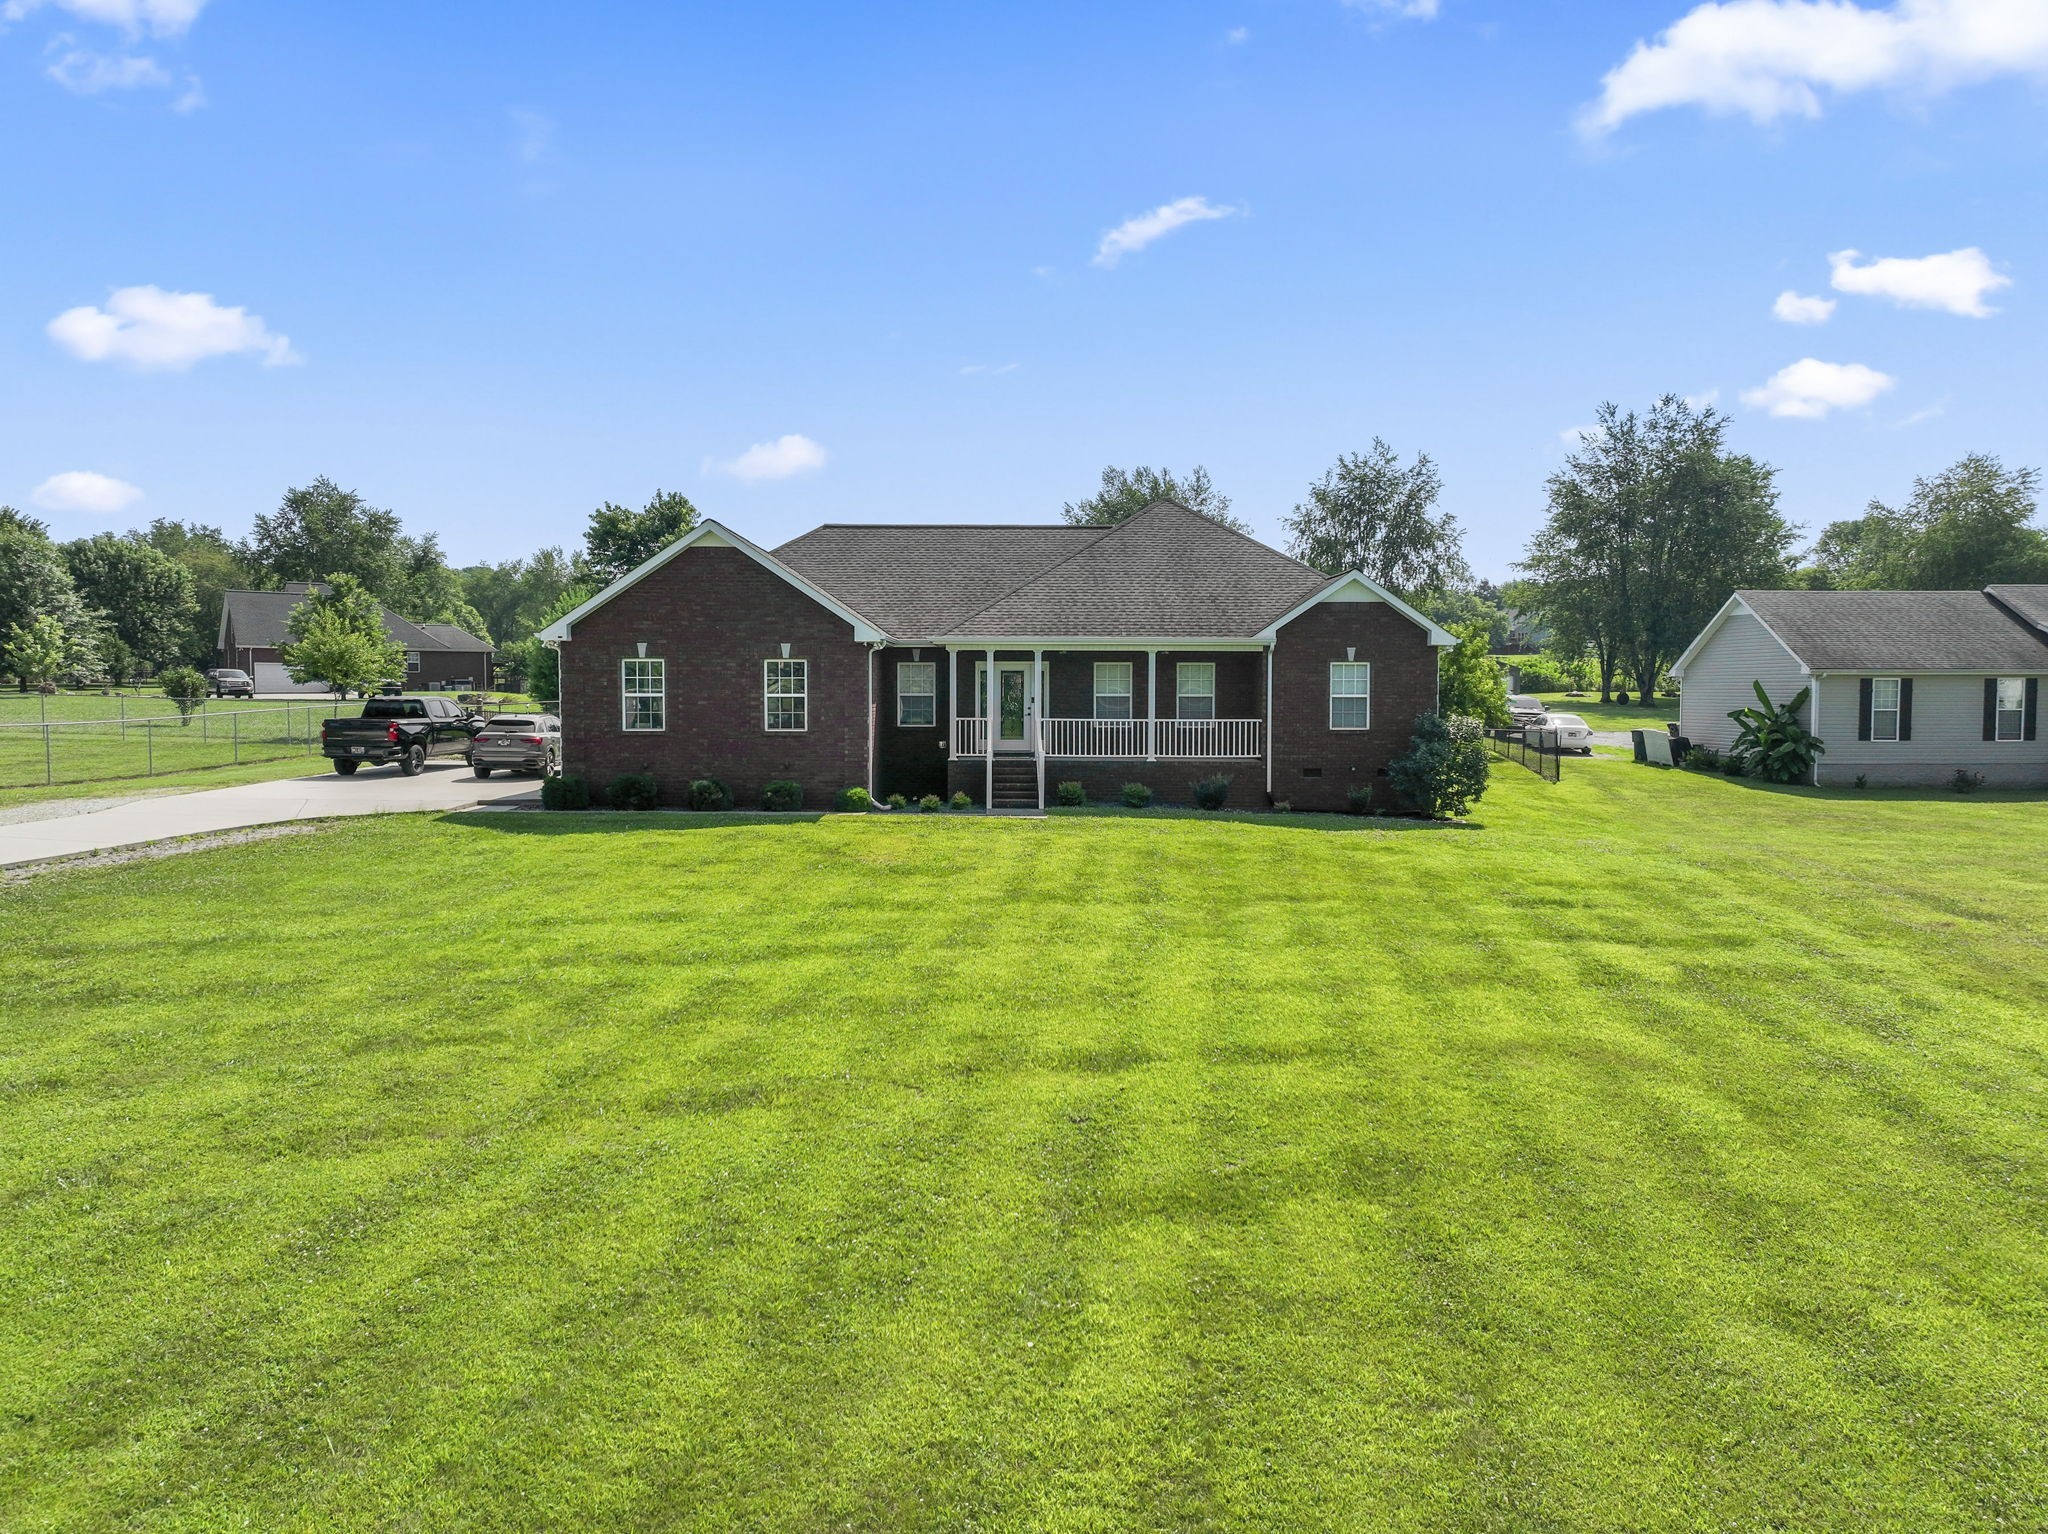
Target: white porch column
{"points": [[988, 793], [952, 703], [1151, 705], [1267, 729], [1036, 693]]}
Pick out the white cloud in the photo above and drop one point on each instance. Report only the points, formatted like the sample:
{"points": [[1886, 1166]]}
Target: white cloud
{"points": [[1134, 234], [1797, 309], [988, 369], [1236, 36], [1766, 59], [164, 18], [149, 328], [88, 73], [83, 490], [1809, 389], [786, 455], [1420, 10], [1956, 282], [534, 136], [192, 98]]}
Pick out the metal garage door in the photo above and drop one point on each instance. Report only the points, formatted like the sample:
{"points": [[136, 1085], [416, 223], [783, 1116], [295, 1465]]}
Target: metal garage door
{"points": [[270, 676]]}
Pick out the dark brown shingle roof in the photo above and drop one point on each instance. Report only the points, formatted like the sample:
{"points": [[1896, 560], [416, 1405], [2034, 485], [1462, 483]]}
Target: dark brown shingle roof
{"points": [[260, 617], [1899, 630]]}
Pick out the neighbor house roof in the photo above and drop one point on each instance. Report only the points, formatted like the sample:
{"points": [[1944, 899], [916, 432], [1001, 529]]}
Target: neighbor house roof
{"points": [[2029, 604], [259, 619], [1900, 630]]}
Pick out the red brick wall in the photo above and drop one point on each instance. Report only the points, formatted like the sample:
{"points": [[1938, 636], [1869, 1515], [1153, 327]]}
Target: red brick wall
{"points": [[909, 760], [715, 616], [1403, 686]]}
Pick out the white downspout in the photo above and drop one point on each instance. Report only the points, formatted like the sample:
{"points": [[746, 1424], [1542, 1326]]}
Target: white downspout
{"points": [[1269, 723], [1038, 720], [988, 754]]}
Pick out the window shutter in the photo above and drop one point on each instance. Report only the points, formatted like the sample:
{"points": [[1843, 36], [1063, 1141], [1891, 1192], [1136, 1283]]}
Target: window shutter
{"points": [[1905, 708], [2033, 706], [1863, 712], [1991, 708]]}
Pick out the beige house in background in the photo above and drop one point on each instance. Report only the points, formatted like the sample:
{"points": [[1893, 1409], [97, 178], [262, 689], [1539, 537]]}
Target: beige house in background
{"points": [[1907, 686]]}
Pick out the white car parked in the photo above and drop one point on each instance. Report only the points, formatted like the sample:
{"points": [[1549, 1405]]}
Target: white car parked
{"points": [[1562, 732]]}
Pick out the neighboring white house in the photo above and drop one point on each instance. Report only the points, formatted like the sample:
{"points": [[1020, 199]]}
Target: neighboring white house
{"points": [[1907, 686]]}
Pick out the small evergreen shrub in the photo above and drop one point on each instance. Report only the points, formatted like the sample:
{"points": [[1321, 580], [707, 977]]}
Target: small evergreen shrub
{"points": [[960, 801], [569, 792], [929, 803], [708, 794], [1282, 807], [1358, 799], [1136, 796], [633, 791], [782, 794], [1212, 793], [1070, 796], [1703, 759], [854, 801], [1446, 768], [1966, 781], [1863, 780], [898, 802], [1731, 767]]}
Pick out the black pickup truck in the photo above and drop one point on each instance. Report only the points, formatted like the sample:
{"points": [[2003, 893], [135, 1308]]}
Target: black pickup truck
{"points": [[402, 730]]}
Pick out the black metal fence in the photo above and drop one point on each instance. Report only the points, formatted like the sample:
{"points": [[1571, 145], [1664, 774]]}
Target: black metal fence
{"points": [[1546, 761]]}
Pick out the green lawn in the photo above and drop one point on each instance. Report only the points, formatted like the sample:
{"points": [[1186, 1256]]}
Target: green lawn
{"points": [[1668, 1153], [91, 751]]}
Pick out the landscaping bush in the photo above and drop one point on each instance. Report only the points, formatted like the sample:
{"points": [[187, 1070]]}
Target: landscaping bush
{"points": [[568, 792], [1136, 796], [633, 791], [782, 794], [1212, 793], [929, 803], [1966, 781], [1282, 807], [1863, 780], [186, 687], [1070, 796], [1358, 799], [708, 794], [1731, 767], [898, 802], [1445, 770], [1702, 759], [962, 802], [854, 801], [1771, 743]]}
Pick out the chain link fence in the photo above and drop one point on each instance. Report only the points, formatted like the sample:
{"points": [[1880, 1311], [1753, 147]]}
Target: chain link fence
{"points": [[1541, 757], [152, 736]]}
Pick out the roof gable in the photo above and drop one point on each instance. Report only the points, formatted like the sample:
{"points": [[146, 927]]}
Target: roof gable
{"points": [[1357, 586], [1904, 631]]}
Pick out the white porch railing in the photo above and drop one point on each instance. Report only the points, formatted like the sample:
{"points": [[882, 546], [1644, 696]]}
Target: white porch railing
{"points": [[1213, 739], [1118, 740], [1103, 739], [970, 737]]}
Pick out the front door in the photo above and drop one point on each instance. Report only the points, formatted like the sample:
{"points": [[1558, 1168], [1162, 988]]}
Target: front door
{"points": [[1010, 709]]}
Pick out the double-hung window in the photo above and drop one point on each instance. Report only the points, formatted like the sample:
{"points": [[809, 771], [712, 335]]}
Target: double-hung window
{"points": [[1194, 686], [2011, 717], [412, 661], [1350, 695], [1884, 708], [917, 693], [1112, 689], [786, 695], [643, 695]]}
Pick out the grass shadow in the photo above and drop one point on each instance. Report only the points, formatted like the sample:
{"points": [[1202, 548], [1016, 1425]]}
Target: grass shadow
{"points": [[1832, 794]]}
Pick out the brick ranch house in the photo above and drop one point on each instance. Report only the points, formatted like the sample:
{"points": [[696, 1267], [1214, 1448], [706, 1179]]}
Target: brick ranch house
{"points": [[996, 661], [253, 630]]}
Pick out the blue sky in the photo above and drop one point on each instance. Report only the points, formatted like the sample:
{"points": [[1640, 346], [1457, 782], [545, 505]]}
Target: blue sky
{"points": [[495, 264]]}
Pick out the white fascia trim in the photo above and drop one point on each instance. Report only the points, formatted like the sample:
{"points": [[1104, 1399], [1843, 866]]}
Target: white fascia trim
{"points": [[1437, 636], [1041, 642], [864, 631], [1677, 667]]}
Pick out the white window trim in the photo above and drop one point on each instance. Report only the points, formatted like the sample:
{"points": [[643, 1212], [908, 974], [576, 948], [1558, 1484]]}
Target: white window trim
{"points": [[412, 661], [1896, 710], [1180, 691], [628, 694], [2019, 713], [933, 694], [1129, 694], [768, 699], [1350, 729]]}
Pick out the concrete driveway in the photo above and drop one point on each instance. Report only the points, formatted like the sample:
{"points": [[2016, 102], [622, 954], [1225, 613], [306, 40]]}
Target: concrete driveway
{"points": [[131, 822]]}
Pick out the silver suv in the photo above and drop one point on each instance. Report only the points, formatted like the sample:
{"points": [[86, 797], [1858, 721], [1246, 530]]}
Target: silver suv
{"points": [[518, 743]]}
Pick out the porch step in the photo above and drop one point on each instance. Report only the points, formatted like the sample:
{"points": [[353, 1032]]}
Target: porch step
{"points": [[1016, 784]]}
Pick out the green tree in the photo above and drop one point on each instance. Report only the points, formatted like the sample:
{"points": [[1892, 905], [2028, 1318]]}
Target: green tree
{"points": [[620, 539], [320, 530], [35, 584], [1971, 525], [37, 651], [1370, 513], [513, 598], [216, 568], [539, 663], [338, 637], [1446, 769], [184, 686], [1469, 683], [1652, 522], [147, 596], [1125, 493]]}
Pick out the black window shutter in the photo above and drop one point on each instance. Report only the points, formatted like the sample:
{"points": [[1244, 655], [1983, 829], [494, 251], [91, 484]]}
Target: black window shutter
{"points": [[2033, 705], [1905, 708], [1991, 708], [1863, 713]]}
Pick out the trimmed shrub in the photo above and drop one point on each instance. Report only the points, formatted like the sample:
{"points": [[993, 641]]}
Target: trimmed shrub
{"points": [[1282, 807], [1731, 767], [1212, 793], [633, 791], [782, 794], [708, 794], [1863, 780], [1135, 796], [568, 792], [1966, 781], [898, 802], [854, 801], [1445, 770], [185, 686], [1358, 799], [929, 803], [1070, 796], [1703, 759], [960, 801]]}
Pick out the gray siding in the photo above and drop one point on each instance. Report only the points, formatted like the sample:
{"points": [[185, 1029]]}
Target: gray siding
{"points": [[1719, 680], [1948, 732]]}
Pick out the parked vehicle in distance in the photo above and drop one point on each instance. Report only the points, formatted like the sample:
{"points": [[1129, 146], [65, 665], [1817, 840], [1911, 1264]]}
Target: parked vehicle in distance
{"points": [[1522, 708], [517, 743], [227, 682], [1561, 732], [406, 731]]}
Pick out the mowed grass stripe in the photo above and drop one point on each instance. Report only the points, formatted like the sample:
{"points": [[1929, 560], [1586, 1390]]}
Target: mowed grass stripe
{"points": [[1666, 1153]]}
